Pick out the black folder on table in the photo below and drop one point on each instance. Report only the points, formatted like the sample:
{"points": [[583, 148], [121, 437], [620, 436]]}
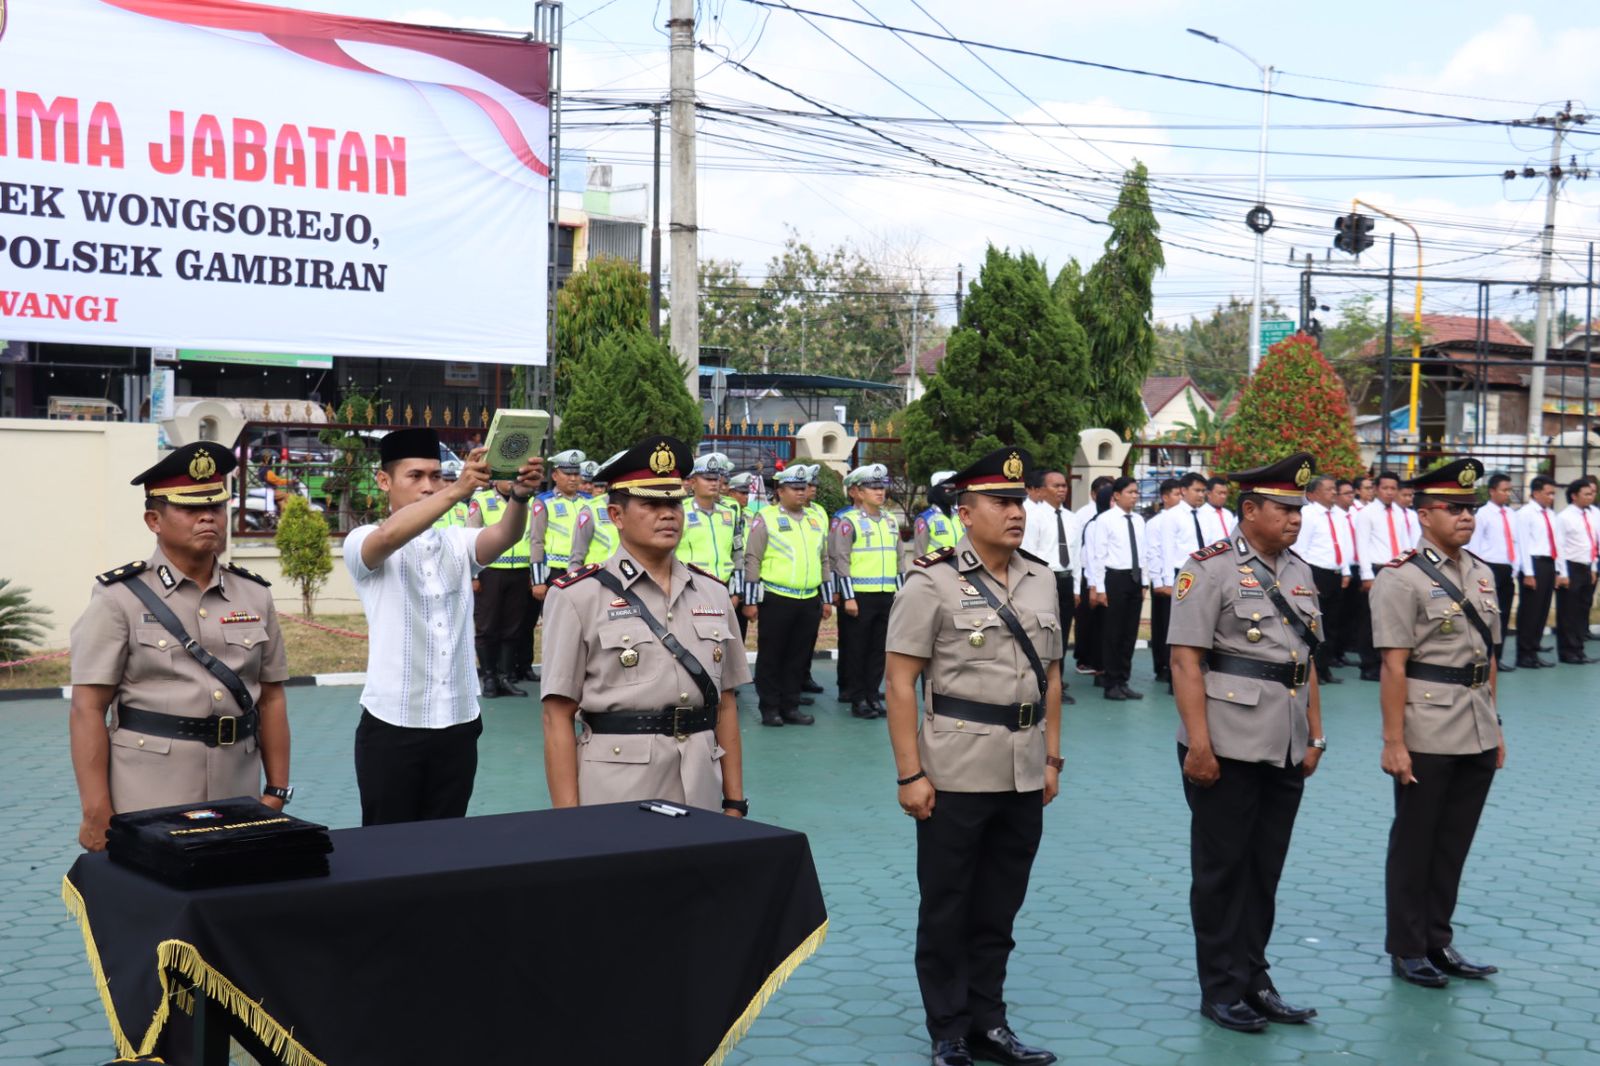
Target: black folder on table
{"points": [[223, 842]]}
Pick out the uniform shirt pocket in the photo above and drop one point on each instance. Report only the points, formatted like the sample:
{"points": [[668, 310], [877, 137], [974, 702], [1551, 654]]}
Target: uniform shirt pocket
{"points": [[1444, 620], [1052, 646], [1430, 693], [152, 660], [125, 738], [1228, 688], [708, 647], [630, 640], [944, 725], [617, 748], [980, 632]]}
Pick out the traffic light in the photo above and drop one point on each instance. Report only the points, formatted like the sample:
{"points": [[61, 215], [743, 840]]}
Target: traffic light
{"points": [[1363, 233], [1352, 233]]}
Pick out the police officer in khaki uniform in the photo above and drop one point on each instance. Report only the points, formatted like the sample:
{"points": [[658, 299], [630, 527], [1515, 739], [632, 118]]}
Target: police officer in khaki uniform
{"points": [[978, 622], [652, 724], [1436, 622], [179, 732], [1244, 625]]}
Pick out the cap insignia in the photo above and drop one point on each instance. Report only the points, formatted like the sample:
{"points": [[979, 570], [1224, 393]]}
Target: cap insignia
{"points": [[661, 460], [1302, 477], [1012, 467], [202, 466], [1468, 476]]}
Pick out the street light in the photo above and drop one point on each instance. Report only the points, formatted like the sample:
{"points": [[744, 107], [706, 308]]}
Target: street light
{"points": [[1260, 219]]}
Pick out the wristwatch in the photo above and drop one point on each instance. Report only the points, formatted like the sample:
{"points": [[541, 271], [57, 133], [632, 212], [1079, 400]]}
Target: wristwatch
{"points": [[522, 499], [1055, 762], [285, 794], [1320, 743], [742, 806]]}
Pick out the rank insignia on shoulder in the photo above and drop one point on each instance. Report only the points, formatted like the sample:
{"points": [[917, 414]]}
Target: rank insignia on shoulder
{"points": [[938, 555], [705, 573], [572, 577], [121, 573], [1403, 558], [1211, 551], [235, 568]]}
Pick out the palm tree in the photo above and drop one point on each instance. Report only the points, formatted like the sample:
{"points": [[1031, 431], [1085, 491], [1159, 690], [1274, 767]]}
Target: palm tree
{"points": [[21, 622]]}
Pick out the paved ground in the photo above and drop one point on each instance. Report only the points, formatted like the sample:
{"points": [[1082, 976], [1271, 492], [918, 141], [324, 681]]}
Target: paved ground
{"points": [[1103, 971]]}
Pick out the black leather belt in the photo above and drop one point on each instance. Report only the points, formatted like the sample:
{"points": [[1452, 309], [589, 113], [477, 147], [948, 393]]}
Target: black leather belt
{"points": [[1475, 676], [669, 722], [1013, 716], [1289, 675], [217, 731]]}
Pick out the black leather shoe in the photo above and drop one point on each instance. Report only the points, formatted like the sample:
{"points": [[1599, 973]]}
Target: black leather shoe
{"points": [[1543, 664], [797, 718], [1241, 1017], [1508, 668], [771, 718], [1371, 675], [1524, 663], [810, 686], [1271, 1006], [1418, 972], [491, 687], [1455, 964], [1339, 660], [951, 1053], [1328, 678], [1130, 694], [878, 709], [1114, 693], [1575, 660], [862, 709], [1001, 1045], [509, 686], [1067, 700]]}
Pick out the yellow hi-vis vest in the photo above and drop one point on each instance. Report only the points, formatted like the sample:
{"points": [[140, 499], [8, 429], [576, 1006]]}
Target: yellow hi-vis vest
{"points": [[944, 531], [709, 540], [455, 518], [604, 541], [561, 518], [792, 564], [874, 552], [492, 506]]}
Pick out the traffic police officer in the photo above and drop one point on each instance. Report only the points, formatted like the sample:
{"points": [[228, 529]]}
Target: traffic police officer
{"points": [[738, 495], [594, 540], [979, 623], [864, 548], [937, 526], [1244, 627], [1436, 622], [181, 731], [502, 602], [655, 722], [788, 584], [552, 520], [712, 526]]}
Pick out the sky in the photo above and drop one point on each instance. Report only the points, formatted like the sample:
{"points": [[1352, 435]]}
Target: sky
{"points": [[976, 146]]}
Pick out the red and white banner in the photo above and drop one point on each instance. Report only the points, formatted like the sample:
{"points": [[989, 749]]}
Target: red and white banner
{"points": [[213, 174]]}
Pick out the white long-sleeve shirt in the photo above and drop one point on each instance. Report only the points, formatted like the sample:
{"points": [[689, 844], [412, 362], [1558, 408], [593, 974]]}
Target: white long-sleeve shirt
{"points": [[1109, 549], [1041, 537], [1577, 535], [1345, 520], [1181, 540], [1321, 543], [1495, 538], [1219, 523], [1155, 548], [1537, 538], [1373, 535]]}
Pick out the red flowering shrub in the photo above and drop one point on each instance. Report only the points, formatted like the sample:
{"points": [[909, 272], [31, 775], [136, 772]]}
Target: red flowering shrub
{"points": [[1294, 403]]}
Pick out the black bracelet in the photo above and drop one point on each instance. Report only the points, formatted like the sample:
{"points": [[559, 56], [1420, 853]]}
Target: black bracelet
{"points": [[918, 776], [523, 499], [742, 806]]}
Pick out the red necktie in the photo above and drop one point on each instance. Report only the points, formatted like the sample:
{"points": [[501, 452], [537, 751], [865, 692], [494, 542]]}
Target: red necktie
{"points": [[1511, 542], [1594, 548], [1394, 545], [1355, 545], [1223, 520], [1549, 530], [1333, 531], [1407, 516]]}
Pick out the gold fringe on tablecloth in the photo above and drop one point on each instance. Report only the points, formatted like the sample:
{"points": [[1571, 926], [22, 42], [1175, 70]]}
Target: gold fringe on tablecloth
{"points": [[774, 981]]}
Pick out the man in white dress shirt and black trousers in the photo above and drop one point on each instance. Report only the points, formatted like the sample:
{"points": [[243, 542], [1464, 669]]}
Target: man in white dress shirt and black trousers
{"points": [[1495, 541], [1542, 570], [1321, 545], [1117, 580], [1580, 544], [1052, 534], [1159, 564], [1383, 534], [417, 741]]}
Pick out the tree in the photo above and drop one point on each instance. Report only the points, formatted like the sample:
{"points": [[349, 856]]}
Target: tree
{"points": [[1354, 345], [626, 387], [1115, 309], [303, 552], [1295, 402], [1012, 374], [21, 622], [607, 297], [1215, 349]]}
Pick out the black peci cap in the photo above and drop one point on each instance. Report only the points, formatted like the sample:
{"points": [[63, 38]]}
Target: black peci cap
{"points": [[414, 443]]}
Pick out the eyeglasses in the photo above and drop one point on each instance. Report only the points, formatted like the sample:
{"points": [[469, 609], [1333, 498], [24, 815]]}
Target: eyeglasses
{"points": [[1453, 508]]}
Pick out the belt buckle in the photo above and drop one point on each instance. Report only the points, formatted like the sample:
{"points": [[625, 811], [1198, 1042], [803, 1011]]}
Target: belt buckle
{"points": [[1480, 675], [678, 714], [1025, 715], [1302, 674], [227, 730]]}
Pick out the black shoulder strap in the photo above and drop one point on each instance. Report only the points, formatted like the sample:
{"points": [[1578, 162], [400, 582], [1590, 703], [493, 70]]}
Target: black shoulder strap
{"points": [[1455, 594], [1292, 616], [1010, 619], [685, 657], [169, 621]]}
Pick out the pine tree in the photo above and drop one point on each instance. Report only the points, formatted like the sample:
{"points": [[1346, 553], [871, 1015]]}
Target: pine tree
{"points": [[1115, 309], [628, 386], [608, 296], [1013, 374], [1294, 403]]}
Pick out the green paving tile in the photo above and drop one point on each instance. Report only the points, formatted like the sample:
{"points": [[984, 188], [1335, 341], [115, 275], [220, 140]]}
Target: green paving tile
{"points": [[1104, 968]]}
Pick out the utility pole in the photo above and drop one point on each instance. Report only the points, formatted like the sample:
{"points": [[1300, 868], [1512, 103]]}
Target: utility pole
{"points": [[1541, 322], [655, 228], [685, 310]]}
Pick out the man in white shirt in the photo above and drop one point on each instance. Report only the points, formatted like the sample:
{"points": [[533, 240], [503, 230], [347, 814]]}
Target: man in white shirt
{"points": [[1215, 518], [1321, 546], [417, 743], [1541, 569], [1594, 520], [1494, 540], [1409, 513], [1355, 626], [1051, 534], [1577, 534], [1159, 565], [1117, 580], [1366, 492], [1086, 652], [1381, 538]]}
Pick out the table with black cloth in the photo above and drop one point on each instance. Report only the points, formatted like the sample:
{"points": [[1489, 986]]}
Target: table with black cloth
{"points": [[594, 935]]}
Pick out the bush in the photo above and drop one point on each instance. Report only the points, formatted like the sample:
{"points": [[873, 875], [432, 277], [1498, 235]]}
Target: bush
{"points": [[303, 551], [21, 623], [628, 386], [830, 490], [1295, 402]]}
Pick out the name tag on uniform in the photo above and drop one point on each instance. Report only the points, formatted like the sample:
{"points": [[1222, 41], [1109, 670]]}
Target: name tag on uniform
{"points": [[974, 603], [783, 523], [694, 519], [561, 509], [622, 612], [1252, 594], [1437, 594]]}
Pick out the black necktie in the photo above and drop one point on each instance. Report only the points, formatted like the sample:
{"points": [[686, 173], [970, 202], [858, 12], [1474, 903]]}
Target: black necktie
{"points": [[1199, 537], [1061, 541], [1133, 551]]}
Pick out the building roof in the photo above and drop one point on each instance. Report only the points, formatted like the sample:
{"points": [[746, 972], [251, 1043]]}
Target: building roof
{"points": [[1453, 331], [927, 363], [791, 383], [1159, 391]]}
